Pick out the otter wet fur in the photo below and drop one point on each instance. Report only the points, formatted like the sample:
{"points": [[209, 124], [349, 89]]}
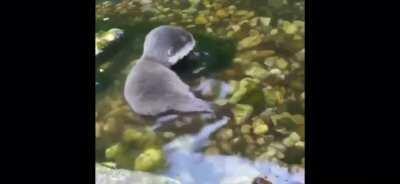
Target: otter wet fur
{"points": [[151, 87]]}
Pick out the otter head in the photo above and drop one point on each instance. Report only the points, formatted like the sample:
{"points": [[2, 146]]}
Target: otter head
{"points": [[168, 44]]}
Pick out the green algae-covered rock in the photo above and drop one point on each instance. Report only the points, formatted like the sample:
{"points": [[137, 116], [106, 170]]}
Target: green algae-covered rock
{"points": [[114, 151], [254, 55], [250, 41], [257, 71], [245, 86], [200, 20], [277, 3], [289, 28], [104, 39], [242, 112], [284, 122], [150, 160], [245, 129], [259, 127], [222, 13], [273, 97], [281, 63], [300, 55], [141, 139], [212, 150], [265, 21], [291, 140], [225, 134], [132, 136]]}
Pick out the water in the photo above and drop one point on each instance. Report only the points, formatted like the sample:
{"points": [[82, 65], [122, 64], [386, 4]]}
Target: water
{"points": [[251, 65]]}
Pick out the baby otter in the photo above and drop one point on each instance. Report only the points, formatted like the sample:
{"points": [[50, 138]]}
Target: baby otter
{"points": [[151, 87]]}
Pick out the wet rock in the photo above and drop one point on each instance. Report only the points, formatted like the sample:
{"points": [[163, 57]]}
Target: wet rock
{"points": [[273, 97], [291, 140], [222, 13], [236, 28], [112, 126], [200, 20], [299, 56], [150, 160], [244, 14], [260, 180], [265, 21], [254, 21], [105, 39], [213, 150], [245, 129], [275, 151], [226, 147], [242, 112], [289, 28], [270, 61], [277, 3], [281, 63], [245, 86], [114, 151], [259, 127], [105, 175], [284, 123], [132, 136], [225, 134], [250, 41], [257, 71], [254, 55], [249, 139], [260, 141], [98, 130], [169, 135]]}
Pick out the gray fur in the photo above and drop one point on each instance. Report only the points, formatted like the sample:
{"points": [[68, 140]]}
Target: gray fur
{"points": [[152, 87]]}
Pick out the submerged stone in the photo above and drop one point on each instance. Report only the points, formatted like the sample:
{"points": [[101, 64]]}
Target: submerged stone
{"points": [[114, 151], [132, 135], [242, 112], [225, 134], [245, 129], [250, 41], [213, 150], [254, 55], [291, 140], [284, 120], [245, 86], [105, 39], [281, 63], [150, 160], [257, 71], [200, 20], [273, 97], [259, 127], [265, 21], [221, 13]]}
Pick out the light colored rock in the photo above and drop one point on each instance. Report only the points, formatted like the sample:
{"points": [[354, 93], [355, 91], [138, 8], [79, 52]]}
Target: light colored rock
{"points": [[242, 112], [250, 41], [259, 127]]}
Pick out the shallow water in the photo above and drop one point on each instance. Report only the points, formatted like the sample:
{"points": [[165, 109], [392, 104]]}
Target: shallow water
{"points": [[241, 41]]}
